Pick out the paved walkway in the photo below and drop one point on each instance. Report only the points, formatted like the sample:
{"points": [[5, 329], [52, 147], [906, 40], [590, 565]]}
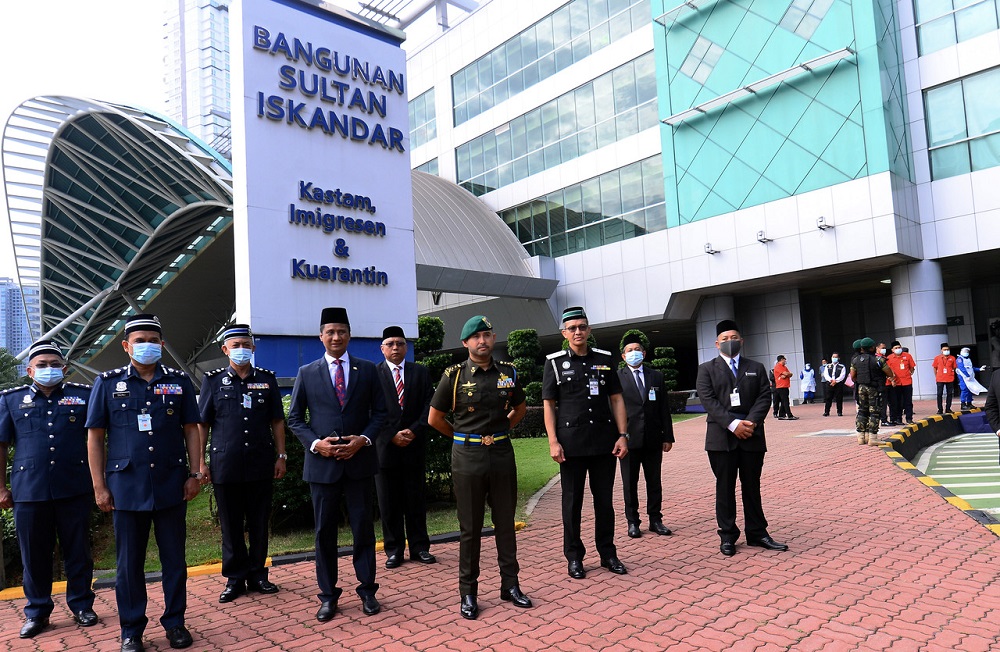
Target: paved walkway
{"points": [[878, 561]]}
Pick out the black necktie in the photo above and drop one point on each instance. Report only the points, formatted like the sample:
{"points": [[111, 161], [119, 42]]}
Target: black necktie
{"points": [[638, 382]]}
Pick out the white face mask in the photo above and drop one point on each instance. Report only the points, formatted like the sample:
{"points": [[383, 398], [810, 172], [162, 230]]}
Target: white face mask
{"points": [[834, 360], [897, 350], [945, 351], [633, 358]]}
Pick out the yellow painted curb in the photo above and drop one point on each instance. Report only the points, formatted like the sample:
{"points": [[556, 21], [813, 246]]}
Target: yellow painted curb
{"points": [[905, 465], [929, 481], [959, 503], [994, 528], [893, 454]]}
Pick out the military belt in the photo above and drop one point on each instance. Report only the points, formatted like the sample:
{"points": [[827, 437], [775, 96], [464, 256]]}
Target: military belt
{"points": [[471, 439]]}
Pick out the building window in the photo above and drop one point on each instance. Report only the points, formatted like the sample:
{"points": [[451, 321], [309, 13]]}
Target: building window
{"points": [[423, 124], [701, 60], [963, 124], [562, 38], [618, 205], [941, 23], [804, 16], [430, 167], [616, 105]]}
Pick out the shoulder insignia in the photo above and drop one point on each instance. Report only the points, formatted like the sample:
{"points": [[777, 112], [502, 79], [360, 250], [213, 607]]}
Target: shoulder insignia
{"points": [[11, 390], [113, 372], [215, 371], [453, 368], [267, 371], [509, 363], [83, 385], [557, 354], [171, 370], [596, 350]]}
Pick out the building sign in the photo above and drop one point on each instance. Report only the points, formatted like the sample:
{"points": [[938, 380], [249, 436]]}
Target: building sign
{"points": [[323, 201]]}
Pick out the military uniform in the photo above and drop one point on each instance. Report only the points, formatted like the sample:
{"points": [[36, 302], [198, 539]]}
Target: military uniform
{"points": [[53, 495], [482, 463], [145, 470], [240, 412], [587, 432]]}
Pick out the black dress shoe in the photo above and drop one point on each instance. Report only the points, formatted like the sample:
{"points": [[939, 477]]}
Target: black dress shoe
{"points": [[470, 608], [514, 595], [791, 418], [634, 531], [659, 528], [231, 592], [394, 561], [262, 586], [423, 557], [767, 542], [179, 637], [614, 565], [826, 414], [33, 626], [326, 611], [576, 570], [85, 618], [370, 605], [132, 644], [728, 548]]}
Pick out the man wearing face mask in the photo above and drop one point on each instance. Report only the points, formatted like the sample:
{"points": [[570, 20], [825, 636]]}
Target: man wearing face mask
{"points": [[242, 406], [901, 394], [50, 485], [944, 366], [736, 395], [651, 433], [834, 375], [142, 437], [967, 378]]}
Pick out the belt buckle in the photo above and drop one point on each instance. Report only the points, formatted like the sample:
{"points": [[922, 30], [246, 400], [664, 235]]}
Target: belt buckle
{"points": [[487, 440]]}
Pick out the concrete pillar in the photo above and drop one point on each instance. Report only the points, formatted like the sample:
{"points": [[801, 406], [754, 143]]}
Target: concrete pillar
{"points": [[712, 311], [920, 322]]}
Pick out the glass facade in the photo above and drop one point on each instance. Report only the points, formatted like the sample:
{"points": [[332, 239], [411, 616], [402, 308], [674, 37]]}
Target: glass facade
{"points": [[423, 124], [963, 124], [562, 38], [618, 205], [430, 167], [616, 105], [804, 16], [941, 23]]}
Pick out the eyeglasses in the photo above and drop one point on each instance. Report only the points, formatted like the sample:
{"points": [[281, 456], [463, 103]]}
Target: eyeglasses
{"points": [[573, 329], [394, 344], [48, 365]]}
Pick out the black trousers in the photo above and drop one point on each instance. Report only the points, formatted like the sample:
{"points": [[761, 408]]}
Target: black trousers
{"points": [[131, 540], [900, 401], [649, 460], [834, 393], [949, 390], [38, 524], [485, 475], [747, 466], [244, 506], [883, 399], [402, 503], [326, 510], [573, 475], [783, 406]]}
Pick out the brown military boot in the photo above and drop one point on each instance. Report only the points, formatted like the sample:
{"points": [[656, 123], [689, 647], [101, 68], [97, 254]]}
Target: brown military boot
{"points": [[862, 438], [873, 440]]}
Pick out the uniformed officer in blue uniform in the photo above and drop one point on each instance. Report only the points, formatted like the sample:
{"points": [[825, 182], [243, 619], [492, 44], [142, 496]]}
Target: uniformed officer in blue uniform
{"points": [[585, 420], [52, 494], [242, 406], [147, 415]]}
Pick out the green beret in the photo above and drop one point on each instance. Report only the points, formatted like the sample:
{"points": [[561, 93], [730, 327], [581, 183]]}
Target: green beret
{"points": [[856, 345], [867, 343], [475, 325]]}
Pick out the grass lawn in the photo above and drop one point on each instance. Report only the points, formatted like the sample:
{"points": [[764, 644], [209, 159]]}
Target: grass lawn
{"points": [[534, 469]]}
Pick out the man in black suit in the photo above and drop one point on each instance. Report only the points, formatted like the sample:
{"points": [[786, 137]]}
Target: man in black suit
{"points": [[346, 410], [650, 430], [992, 407], [736, 394], [401, 482]]}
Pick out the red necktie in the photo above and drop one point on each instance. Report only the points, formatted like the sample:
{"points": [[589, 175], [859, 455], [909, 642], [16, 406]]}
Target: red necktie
{"points": [[399, 386], [338, 382]]}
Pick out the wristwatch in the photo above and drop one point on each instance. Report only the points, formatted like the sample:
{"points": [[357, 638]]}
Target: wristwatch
{"points": [[625, 435], [196, 476], [282, 456]]}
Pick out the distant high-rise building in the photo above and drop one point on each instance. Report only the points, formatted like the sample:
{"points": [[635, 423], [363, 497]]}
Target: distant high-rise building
{"points": [[15, 334], [196, 73]]}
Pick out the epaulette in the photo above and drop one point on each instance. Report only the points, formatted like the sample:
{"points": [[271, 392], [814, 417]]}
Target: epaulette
{"points": [[215, 371], [506, 362], [267, 371], [553, 356], [171, 370], [13, 389], [600, 351], [113, 372], [453, 368], [83, 385]]}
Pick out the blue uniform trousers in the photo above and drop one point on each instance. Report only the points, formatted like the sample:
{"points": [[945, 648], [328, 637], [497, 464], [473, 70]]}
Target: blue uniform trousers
{"points": [[131, 540], [38, 524], [244, 507]]}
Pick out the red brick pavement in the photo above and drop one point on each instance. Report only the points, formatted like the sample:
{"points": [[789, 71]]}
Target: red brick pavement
{"points": [[877, 561]]}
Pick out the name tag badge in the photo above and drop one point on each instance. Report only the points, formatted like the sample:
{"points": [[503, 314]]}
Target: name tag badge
{"points": [[734, 398], [145, 422], [595, 387], [247, 401], [902, 365], [652, 394]]}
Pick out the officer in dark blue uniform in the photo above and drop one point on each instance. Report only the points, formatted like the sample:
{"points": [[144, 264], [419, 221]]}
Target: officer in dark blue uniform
{"points": [[242, 406], [147, 415], [52, 494]]}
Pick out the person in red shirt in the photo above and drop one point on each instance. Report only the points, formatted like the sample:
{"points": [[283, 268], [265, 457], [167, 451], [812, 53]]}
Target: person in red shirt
{"points": [[944, 373], [901, 394], [781, 385]]}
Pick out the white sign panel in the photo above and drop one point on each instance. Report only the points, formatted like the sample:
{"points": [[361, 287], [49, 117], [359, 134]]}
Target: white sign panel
{"points": [[323, 201]]}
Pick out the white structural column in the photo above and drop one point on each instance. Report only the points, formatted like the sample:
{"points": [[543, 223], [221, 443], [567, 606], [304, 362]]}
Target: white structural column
{"points": [[919, 313], [712, 311]]}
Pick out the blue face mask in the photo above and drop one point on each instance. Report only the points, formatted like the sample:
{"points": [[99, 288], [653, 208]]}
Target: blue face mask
{"points": [[633, 358], [240, 357], [147, 352], [48, 377]]}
